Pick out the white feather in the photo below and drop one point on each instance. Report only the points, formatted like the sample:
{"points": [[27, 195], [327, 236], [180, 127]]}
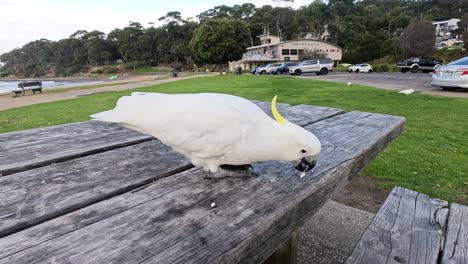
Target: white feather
{"points": [[211, 129], [407, 91]]}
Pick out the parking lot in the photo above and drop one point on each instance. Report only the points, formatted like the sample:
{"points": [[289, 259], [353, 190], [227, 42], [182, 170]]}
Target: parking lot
{"points": [[421, 82]]}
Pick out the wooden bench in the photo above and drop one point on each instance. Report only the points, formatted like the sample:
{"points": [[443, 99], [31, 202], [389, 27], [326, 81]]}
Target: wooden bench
{"points": [[28, 86], [94, 192], [410, 227]]}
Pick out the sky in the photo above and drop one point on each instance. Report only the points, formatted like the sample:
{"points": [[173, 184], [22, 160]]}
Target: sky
{"points": [[22, 21]]}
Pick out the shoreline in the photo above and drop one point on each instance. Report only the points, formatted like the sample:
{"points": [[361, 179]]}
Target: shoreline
{"points": [[104, 81], [8, 102]]}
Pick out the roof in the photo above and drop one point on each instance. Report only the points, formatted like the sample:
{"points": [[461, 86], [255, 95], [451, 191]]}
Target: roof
{"points": [[292, 40]]}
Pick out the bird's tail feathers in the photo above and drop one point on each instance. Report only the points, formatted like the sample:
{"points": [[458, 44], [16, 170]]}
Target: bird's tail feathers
{"points": [[106, 116]]}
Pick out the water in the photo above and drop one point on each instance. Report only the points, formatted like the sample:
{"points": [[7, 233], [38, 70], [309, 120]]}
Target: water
{"points": [[7, 86]]}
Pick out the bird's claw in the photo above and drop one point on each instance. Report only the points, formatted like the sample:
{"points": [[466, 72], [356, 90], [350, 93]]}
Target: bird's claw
{"points": [[232, 171]]}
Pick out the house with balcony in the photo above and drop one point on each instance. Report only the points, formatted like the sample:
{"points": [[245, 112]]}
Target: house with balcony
{"points": [[443, 28], [272, 49]]}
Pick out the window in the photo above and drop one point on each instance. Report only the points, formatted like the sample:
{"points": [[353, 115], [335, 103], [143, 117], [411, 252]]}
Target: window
{"points": [[463, 61], [310, 62], [294, 52], [300, 52], [284, 52]]}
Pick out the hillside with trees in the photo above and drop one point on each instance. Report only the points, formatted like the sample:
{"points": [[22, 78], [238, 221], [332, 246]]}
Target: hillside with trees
{"points": [[367, 30]]}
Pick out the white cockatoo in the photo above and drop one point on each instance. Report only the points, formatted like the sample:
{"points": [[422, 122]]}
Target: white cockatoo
{"points": [[216, 129], [407, 92]]}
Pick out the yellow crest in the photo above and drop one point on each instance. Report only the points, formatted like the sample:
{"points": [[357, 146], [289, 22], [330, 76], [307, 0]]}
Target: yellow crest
{"points": [[275, 112]]}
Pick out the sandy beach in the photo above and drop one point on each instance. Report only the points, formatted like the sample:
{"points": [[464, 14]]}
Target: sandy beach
{"points": [[7, 101]]}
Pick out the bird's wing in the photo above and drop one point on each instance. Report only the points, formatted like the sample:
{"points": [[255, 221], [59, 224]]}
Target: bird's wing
{"points": [[204, 126]]}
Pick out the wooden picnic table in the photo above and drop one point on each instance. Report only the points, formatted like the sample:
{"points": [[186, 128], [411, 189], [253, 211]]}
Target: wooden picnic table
{"points": [[93, 192]]}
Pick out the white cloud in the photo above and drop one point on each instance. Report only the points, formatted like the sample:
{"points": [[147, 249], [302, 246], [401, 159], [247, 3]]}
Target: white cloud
{"points": [[22, 21]]}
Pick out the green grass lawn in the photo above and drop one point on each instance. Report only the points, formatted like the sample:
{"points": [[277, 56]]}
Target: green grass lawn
{"points": [[431, 156]]}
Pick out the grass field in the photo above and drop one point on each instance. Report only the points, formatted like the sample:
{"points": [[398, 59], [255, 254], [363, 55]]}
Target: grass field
{"points": [[431, 156]]}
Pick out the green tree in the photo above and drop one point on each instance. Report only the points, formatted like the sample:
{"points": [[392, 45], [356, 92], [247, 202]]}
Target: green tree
{"points": [[418, 39], [127, 42], [220, 40], [313, 18]]}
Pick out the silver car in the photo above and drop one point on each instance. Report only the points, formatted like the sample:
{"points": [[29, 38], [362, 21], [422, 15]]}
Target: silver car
{"points": [[267, 69], [317, 66], [452, 76]]}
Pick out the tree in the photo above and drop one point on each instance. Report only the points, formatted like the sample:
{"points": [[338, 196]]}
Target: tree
{"points": [[220, 40], [127, 42], [418, 39], [313, 18]]}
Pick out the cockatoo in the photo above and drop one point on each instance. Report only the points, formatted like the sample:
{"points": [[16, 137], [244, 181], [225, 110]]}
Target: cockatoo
{"points": [[407, 92], [216, 130]]}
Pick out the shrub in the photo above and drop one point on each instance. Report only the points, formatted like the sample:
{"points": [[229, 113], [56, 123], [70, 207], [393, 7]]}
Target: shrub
{"points": [[385, 67], [110, 70], [449, 55], [98, 71], [387, 59], [341, 68]]}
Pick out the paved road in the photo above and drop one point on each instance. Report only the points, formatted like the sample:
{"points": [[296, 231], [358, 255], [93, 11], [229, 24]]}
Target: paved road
{"points": [[420, 82]]}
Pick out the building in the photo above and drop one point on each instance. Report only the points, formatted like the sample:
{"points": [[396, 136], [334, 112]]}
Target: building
{"points": [[443, 28], [272, 49]]}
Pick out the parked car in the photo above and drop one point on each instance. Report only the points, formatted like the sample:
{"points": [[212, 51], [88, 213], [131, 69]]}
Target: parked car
{"points": [[364, 67], [267, 69], [452, 76], [284, 68], [318, 66], [254, 70], [419, 63]]}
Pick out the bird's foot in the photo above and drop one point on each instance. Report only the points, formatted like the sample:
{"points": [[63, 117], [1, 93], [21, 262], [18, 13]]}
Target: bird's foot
{"points": [[232, 171]]}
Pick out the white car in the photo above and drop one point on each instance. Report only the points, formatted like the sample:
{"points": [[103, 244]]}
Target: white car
{"points": [[452, 76], [364, 67], [267, 69]]}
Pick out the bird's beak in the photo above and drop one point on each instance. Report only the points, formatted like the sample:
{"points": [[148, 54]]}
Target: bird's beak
{"points": [[305, 164]]}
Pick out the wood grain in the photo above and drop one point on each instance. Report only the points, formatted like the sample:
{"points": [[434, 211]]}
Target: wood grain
{"points": [[456, 241], [296, 114], [23, 150], [37, 195], [408, 228], [171, 221]]}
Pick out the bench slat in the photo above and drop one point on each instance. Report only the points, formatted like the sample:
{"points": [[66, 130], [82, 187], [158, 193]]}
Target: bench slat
{"points": [[171, 219], [30, 197], [32, 148], [456, 241], [407, 229], [295, 113]]}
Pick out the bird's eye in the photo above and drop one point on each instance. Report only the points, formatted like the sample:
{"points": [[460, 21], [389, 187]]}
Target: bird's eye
{"points": [[303, 151]]}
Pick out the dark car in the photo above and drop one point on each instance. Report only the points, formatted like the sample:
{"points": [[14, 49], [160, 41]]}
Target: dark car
{"points": [[415, 64], [254, 70], [284, 68]]}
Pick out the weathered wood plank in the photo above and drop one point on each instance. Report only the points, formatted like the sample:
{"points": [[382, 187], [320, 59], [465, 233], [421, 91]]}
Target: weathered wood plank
{"points": [[407, 229], [29, 189], [297, 113], [171, 220], [286, 253], [456, 240], [23, 150], [34, 196], [33, 148]]}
